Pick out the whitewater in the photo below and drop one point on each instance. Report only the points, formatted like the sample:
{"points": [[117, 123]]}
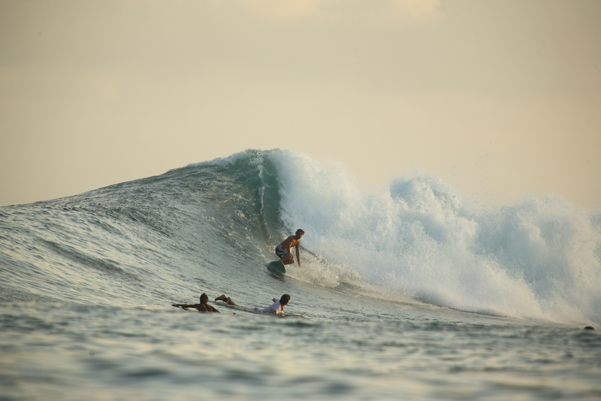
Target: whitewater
{"points": [[413, 292]]}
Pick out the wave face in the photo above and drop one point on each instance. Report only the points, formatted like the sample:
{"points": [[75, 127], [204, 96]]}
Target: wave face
{"points": [[419, 240]]}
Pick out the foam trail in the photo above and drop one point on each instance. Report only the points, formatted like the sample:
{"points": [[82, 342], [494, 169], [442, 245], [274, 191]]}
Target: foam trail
{"points": [[536, 258]]}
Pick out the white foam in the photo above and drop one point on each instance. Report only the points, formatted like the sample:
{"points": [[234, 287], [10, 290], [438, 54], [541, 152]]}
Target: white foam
{"points": [[537, 258]]}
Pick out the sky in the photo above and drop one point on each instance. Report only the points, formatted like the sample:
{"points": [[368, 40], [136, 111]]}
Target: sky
{"points": [[501, 99]]}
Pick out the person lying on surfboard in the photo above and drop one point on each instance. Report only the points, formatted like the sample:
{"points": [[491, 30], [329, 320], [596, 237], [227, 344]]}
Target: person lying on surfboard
{"points": [[276, 307], [283, 250], [201, 307]]}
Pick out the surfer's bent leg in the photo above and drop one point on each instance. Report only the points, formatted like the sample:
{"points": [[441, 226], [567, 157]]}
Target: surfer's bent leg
{"points": [[285, 257], [225, 299], [281, 251]]}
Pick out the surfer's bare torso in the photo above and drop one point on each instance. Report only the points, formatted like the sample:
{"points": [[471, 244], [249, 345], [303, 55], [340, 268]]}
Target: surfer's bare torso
{"points": [[283, 250]]}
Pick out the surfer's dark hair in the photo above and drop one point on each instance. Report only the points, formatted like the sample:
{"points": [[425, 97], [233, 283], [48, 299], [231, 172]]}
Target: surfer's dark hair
{"points": [[300, 230], [204, 298], [285, 299]]}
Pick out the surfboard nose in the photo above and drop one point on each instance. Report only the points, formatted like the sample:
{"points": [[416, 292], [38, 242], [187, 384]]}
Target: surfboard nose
{"points": [[277, 267]]}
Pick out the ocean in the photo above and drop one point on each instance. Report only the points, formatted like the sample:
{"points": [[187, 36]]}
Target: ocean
{"points": [[414, 293]]}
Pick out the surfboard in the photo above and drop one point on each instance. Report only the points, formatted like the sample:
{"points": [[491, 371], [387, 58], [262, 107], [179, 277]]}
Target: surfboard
{"points": [[277, 267], [252, 310]]}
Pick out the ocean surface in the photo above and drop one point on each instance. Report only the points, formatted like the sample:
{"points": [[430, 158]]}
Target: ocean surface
{"points": [[413, 293]]}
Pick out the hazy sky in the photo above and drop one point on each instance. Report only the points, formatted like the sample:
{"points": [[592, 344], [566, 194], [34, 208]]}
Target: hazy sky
{"points": [[498, 98]]}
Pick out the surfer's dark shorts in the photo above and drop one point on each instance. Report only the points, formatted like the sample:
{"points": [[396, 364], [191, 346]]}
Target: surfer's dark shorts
{"points": [[280, 251]]}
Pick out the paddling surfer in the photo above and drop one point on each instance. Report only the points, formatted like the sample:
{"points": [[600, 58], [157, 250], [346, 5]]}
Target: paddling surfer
{"points": [[278, 304], [275, 308], [283, 250], [201, 307]]}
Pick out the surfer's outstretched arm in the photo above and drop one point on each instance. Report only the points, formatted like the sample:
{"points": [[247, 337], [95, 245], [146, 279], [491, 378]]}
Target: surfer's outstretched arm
{"points": [[184, 306]]}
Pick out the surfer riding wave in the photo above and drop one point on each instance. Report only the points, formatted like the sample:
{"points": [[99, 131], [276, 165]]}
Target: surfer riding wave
{"points": [[283, 249]]}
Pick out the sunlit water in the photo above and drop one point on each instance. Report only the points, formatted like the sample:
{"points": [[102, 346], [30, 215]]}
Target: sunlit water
{"points": [[87, 283], [378, 351]]}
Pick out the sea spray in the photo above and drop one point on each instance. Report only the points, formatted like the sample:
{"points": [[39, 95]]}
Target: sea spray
{"points": [[536, 258]]}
